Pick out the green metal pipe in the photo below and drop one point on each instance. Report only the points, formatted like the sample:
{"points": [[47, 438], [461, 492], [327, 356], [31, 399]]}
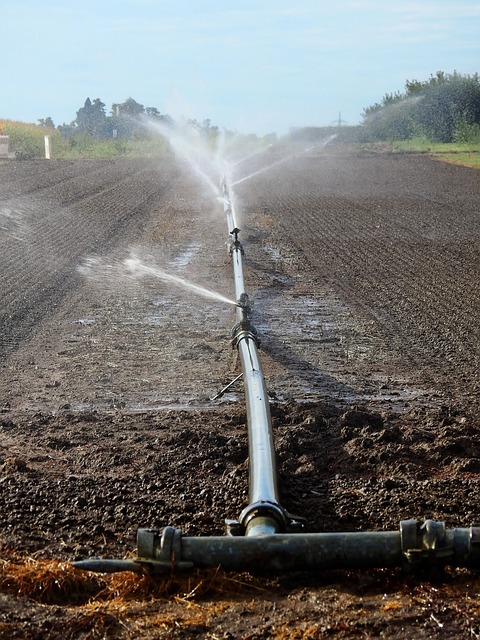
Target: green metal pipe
{"points": [[415, 545], [295, 552]]}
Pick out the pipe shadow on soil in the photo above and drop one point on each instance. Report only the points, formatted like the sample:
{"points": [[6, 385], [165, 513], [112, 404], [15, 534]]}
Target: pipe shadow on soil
{"points": [[317, 380]]}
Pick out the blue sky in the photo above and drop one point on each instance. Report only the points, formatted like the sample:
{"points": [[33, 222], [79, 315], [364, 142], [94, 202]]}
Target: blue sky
{"points": [[252, 66]]}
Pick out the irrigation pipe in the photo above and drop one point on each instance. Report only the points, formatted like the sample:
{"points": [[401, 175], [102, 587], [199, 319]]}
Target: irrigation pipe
{"points": [[264, 515], [266, 537], [415, 545]]}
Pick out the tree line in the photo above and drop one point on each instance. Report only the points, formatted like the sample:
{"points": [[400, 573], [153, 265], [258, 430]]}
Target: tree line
{"points": [[444, 108], [124, 121]]}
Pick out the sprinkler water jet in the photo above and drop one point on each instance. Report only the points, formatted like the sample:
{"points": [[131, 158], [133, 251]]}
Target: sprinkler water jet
{"points": [[136, 267]]}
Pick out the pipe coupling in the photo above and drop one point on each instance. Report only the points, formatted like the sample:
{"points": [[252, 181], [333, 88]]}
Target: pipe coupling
{"points": [[244, 329], [160, 551], [429, 542], [285, 522], [240, 333]]}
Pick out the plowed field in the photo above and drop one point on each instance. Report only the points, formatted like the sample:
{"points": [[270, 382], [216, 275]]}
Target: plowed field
{"points": [[364, 274]]}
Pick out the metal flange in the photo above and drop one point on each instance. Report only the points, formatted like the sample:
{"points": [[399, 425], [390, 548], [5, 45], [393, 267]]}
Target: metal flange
{"points": [[160, 551]]}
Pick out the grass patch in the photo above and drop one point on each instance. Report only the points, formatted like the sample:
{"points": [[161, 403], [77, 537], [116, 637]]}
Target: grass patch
{"points": [[27, 142], [465, 159], [86, 147], [465, 153]]}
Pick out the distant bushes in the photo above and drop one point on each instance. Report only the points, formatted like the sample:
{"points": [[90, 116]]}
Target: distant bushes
{"points": [[85, 146], [27, 142], [445, 108]]}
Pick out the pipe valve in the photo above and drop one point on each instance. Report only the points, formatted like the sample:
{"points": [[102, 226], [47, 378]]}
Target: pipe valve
{"points": [[245, 305]]}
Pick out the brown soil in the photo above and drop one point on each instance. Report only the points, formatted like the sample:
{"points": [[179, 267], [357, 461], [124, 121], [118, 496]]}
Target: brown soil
{"points": [[364, 273]]}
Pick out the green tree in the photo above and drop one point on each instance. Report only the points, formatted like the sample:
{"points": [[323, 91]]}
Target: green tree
{"points": [[153, 112], [46, 122], [92, 119], [130, 108], [126, 118], [443, 108]]}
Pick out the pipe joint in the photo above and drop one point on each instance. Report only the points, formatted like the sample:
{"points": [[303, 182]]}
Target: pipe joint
{"points": [[244, 329], [430, 544], [269, 516], [240, 332], [160, 552], [422, 541], [245, 307]]}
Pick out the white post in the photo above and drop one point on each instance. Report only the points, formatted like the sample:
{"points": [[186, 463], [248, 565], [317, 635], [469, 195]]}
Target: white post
{"points": [[4, 146], [48, 147]]}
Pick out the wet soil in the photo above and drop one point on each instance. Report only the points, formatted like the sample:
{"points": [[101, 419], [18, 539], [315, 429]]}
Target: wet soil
{"points": [[363, 270]]}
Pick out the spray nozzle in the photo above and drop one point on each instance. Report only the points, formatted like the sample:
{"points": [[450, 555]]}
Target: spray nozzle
{"points": [[244, 304], [234, 232]]}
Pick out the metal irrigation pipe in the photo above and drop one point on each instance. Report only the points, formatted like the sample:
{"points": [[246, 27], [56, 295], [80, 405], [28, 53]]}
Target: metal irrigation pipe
{"points": [[266, 538], [264, 514], [415, 545]]}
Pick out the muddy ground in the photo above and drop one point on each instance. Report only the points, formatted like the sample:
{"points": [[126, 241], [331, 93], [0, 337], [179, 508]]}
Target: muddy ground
{"points": [[363, 269]]}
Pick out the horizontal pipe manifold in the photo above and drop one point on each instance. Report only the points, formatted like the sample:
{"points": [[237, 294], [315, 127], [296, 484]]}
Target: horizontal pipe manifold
{"points": [[415, 545]]}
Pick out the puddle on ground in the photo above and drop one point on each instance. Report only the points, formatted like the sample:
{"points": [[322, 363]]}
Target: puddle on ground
{"points": [[319, 349], [184, 258], [84, 321], [312, 347]]}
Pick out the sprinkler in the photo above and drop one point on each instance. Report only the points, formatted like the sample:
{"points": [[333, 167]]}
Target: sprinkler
{"points": [[266, 537], [235, 233]]}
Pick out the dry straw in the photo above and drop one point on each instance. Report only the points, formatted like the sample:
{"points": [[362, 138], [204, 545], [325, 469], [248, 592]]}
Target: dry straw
{"points": [[124, 604]]}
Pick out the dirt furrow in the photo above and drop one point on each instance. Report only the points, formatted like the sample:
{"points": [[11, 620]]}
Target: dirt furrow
{"points": [[363, 272]]}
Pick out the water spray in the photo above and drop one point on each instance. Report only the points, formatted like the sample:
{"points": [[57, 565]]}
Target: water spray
{"points": [[188, 148], [265, 537], [136, 267], [285, 159]]}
